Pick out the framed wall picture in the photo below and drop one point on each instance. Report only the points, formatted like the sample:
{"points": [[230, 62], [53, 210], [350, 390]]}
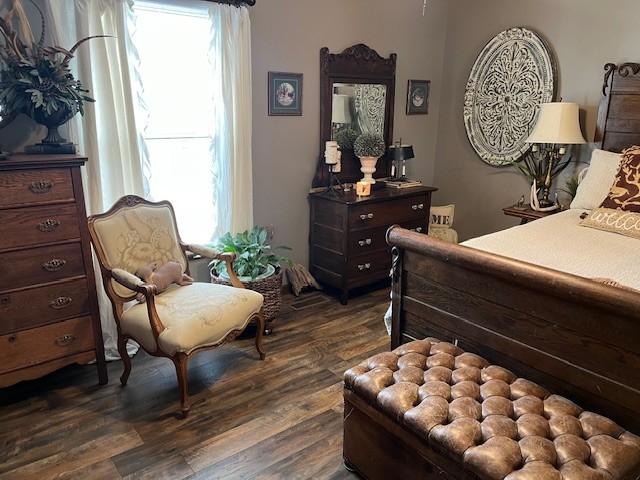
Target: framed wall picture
{"points": [[285, 94], [418, 97]]}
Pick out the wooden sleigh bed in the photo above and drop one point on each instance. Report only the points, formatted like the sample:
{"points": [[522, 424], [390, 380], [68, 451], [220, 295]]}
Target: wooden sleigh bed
{"points": [[570, 334]]}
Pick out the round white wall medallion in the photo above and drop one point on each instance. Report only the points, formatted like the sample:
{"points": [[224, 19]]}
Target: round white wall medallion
{"points": [[512, 77]]}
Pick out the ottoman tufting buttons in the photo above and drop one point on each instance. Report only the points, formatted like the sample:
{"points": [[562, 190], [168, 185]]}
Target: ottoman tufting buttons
{"points": [[435, 388], [498, 426], [497, 406], [496, 458], [528, 404], [538, 449], [457, 437], [536, 471]]}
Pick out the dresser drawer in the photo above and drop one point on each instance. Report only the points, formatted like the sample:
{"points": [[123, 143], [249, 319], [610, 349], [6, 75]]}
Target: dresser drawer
{"points": [[39, 265], [24, 187], [32, 226], [43, 305], [364, 241], [388, 213], [40, 345], [371, 264]]}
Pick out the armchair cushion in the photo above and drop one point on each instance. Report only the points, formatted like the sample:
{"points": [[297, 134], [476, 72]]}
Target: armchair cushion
{"points": [[194, 316]]}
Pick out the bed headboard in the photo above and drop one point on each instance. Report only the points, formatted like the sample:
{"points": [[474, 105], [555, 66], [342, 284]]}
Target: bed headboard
{"points": [[619, 115]]}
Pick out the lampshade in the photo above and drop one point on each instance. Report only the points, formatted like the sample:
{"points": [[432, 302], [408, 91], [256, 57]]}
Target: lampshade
{"points": [[401, 152], [558, 123], [341, 111]]}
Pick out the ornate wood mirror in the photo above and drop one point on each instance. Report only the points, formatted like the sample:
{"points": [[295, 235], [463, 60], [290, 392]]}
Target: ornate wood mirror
{"points": [[357, 92]]}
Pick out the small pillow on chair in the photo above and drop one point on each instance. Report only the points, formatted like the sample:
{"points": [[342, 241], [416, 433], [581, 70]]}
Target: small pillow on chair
{"points": [[162, 276]]}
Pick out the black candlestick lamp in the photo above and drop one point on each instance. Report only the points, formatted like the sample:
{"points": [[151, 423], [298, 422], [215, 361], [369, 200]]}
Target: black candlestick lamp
{"points": [[400, 154]]}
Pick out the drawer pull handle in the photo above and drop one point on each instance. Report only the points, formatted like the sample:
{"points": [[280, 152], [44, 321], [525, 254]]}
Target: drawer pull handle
{"points": [[40, 187], [418, 230], [366, 216], [60, 303], [54, 265], [414, 207], [366, 241], [49, 225], [65, 340], [421, 206], [4, 301], [366, 266]]}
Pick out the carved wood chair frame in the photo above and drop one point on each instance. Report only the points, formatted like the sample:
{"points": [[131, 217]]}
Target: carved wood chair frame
{"points": [[179, 359]]}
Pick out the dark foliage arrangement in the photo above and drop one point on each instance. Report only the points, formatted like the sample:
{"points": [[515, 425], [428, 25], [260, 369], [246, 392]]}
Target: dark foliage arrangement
{"points": [[36, 79]]}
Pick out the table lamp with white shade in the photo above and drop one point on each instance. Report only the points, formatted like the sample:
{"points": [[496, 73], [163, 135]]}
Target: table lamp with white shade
{"points": [[558, 125]]}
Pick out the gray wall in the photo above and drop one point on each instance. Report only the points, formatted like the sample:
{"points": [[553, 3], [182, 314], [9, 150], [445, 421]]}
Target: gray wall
{"points": [[585, 35], [287, 37]]}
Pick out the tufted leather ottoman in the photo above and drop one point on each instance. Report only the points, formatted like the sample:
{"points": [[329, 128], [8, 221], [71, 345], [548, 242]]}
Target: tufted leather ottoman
{"points": [[430, 410]]}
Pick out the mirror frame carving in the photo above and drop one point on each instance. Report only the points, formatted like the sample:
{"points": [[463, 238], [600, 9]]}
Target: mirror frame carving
{"points": [[357, 64]]}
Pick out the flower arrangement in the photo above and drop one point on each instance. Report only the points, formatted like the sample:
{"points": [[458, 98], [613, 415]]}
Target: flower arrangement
{"points": [[346, 138], [35, 79], [369, 145]]}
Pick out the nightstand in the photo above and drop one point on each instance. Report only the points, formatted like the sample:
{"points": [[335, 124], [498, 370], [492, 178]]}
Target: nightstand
{"points": [[526, 213]]}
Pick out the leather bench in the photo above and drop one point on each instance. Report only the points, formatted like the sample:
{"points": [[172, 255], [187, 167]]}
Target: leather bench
{"points": [[430, 410]]}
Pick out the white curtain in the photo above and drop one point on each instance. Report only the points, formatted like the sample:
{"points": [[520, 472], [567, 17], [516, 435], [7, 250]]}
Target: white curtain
{"points": [[111, 132], [107, 134], [230, 53]]}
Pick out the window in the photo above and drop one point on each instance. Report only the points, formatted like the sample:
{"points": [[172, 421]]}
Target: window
{"points": [[179, 112]]}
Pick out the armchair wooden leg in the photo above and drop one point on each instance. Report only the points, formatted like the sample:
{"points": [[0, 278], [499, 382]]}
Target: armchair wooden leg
{"points": [[260, 334], [126, 361], [181, 361]]}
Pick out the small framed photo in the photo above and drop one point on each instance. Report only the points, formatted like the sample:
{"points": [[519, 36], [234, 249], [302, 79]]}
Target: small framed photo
{"points": [[418, 97], [285, 94]]}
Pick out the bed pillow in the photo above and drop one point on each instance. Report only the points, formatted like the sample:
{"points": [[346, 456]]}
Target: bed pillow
{"points": [[620, 210], [597, 182]]}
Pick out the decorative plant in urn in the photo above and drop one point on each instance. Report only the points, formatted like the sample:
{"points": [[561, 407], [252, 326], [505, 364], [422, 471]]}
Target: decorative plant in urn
{"points": [[369, 148], [36, 80]]}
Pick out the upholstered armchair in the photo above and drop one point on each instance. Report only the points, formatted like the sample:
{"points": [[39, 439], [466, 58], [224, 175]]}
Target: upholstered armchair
{"points": [[182, 320]]}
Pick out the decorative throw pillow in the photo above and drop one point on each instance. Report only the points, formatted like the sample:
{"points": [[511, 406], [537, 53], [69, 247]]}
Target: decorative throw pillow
{"points": [[442, 216], [600, 176], [620, 211]]}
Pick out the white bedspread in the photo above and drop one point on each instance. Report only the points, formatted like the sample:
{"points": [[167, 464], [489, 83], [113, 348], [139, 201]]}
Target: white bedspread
{"points": [[560, 243]]}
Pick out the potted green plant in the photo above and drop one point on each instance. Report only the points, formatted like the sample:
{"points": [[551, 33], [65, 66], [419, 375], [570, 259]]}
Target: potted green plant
{"points": [[369, 148], [36, 80], [257, 264]]}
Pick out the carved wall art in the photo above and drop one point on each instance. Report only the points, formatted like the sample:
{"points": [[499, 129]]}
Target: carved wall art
{"points": [[513, 75]]}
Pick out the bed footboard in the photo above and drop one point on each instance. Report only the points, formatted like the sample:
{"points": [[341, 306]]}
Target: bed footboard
{"points": [[570, 334]]}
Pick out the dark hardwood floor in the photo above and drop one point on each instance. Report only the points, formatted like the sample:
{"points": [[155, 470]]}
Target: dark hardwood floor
{"points": [[281, 418]]}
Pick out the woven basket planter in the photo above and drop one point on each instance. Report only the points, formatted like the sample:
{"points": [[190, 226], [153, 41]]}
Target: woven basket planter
{"points": [[270, 288]]}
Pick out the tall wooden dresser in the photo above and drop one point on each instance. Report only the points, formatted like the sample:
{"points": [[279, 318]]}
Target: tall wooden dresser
{"points": [[348, 247], [48, 304]]}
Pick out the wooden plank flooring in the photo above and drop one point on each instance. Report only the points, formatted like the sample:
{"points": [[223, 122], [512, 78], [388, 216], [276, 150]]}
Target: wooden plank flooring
{"points": [[281, 418]]}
